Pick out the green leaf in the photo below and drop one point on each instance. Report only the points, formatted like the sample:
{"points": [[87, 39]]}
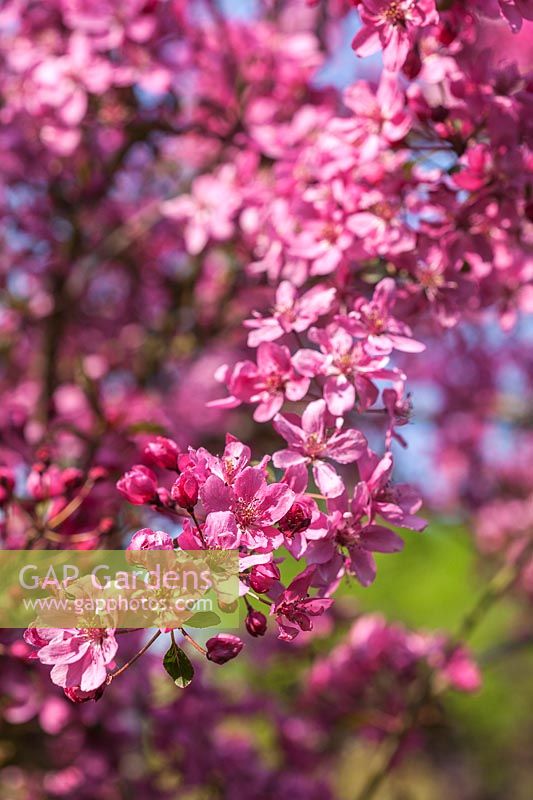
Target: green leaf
{"points": [[178, 666], [146, 427], [203, 619]]}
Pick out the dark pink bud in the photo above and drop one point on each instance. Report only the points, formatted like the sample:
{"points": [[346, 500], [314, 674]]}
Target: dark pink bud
{"points": [[185, 491], [446, 34], [72, 477], [184, 462], [223, 647], [413, 64], [106, 525], [256, 623], [98, 474], [163, 452], [264, 576], [296, 520], [138, 485], [163, 496], [44, 482], [7, 484], [76, 695]]}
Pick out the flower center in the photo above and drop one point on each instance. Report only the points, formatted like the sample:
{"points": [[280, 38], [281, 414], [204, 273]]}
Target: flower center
{"points": [[314, 445], [395, 15], [274, 382], [376, 321], [245, 512]]}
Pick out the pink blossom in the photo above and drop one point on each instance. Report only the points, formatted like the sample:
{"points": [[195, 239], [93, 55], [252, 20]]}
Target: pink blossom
{"points": [[360, 539], [348, 367], [373, 321], [147, 539], [294, 608], [379, 118], [209, 210], [255, 506], [392, 25], [138, 485], [185, 490], [310, 441], [79, 656], [376, 495], [267, 383], [163, 452], [291, 313]]}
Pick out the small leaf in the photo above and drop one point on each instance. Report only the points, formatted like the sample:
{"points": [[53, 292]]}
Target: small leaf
{"points": [[178, 666], [203, 619], [146, 427]]}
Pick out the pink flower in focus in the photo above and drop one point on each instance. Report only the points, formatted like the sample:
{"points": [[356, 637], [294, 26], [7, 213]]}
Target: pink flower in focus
{"points": [[255, 506], [392, 26], [378, 496], [294, 608], [291, 313], [79, 656], [373, 321], [310, 442], [267, 383], [147, 539], [359, 539], [138, 485], [348, 367]]}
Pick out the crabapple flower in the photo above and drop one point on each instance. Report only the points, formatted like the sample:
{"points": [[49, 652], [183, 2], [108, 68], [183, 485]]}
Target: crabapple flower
{"points": [[380, 118], [348, 369], [185, 490], [208, 211], [264, 576], [392, 25], [220, 531], [223, 647], [138, 485], [79, 657], [254, 505], [291, 313], [311, 440], [360, 540], [372, 320], [147, 539], [294, 608], [267, 383], [395, 503], [163, 452]]}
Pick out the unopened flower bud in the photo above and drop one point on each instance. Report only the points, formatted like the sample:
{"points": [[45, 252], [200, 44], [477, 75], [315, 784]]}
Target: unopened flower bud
{"points": [[98, 474], [76, 695], [256, 623], [185, 491], [72, 478], [147, 539], [223, 647], [264, 576], [413, 64], [7, 484], [296, 520], [163, 452], [138, 485]]}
